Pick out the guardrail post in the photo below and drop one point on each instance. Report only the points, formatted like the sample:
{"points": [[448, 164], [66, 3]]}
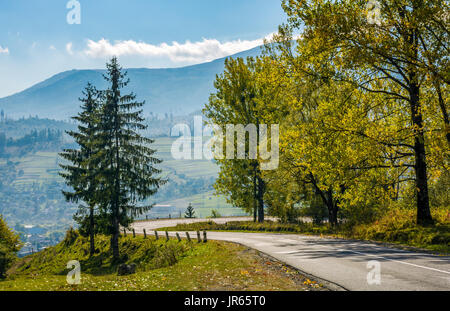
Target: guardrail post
{"points": [[156, 235], [188, 237], [178, 237], [198, 237], [124, 232], [204, 237], [145, 234], [167, 236], [134, 233]]}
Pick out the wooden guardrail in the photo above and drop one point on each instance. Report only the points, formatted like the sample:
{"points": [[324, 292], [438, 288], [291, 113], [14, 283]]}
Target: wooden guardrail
{"points": [[200, 239]]}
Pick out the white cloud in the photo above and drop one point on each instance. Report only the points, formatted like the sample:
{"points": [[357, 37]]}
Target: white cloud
{"points": [[200, 51], [4, 50], [52, 47], [69, 48]]}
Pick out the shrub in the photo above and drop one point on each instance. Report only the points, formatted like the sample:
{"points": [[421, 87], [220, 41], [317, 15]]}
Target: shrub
{"points": [[215, 214], [9, 245], [71, 236]]}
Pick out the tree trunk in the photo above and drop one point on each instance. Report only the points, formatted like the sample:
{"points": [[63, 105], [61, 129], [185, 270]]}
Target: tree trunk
{"points": [[327, 199], [423, 204], [255, 203], [332, 209], [115, 239], [261, 189], [91, 231], [116, 221], [332, 216]]}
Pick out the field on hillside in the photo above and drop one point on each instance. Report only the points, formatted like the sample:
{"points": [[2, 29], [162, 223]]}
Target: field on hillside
{"points": [[204, 204], [190, 168], [34, 179], [37, 168], [43, 166]]}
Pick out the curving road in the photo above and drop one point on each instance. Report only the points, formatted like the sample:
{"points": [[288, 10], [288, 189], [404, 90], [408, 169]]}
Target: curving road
{"points": [[339, 264]]}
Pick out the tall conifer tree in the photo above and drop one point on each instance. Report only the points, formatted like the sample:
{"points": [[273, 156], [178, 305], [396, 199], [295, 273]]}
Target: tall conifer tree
{"points": [[81, 173], [125, 158]]}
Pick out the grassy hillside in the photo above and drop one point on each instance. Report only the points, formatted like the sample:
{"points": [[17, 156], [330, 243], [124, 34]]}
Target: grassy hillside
{"points": [[189, 168], [161, 265], [43, 166]]}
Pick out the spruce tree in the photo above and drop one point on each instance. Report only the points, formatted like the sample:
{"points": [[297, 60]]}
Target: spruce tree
{"points": [[126, 161], [80, 174], [190, 213]]}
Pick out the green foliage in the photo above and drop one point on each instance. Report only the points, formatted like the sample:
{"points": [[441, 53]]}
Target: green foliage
{"points": [[190, 213], [71, 236], [114, 170], [397, 226], [47, 139], [398, 67], [81, 173], [215, 214], [439, 191], [7, 257], [267, 226], [9, 245], [315, 209], [236, 102], [127, 161], [362, 109]]}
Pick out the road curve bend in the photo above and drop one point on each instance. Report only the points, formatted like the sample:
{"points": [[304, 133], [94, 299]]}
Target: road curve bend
{"points": [[349, 264]]}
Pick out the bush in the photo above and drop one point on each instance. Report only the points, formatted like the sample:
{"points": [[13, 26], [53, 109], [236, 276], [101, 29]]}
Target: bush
{"points": [[215, 214], [71, 236], [316, 210], [6, 259], [9, 245]]}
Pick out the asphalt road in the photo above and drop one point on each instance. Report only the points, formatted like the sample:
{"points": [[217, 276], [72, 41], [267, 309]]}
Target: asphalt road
{"points": [[339, 264]]}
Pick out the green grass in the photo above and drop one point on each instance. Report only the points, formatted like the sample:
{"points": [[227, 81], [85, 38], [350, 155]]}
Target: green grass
{"points": [[397, 227], [173, 265]]}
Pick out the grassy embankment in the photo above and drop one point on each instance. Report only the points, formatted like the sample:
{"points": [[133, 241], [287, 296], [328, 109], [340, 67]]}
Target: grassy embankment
{"points": [[161, 265], [396, 227]]}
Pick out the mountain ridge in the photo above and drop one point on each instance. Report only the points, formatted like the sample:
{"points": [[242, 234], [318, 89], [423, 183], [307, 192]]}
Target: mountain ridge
{"points": [[179, 91]]}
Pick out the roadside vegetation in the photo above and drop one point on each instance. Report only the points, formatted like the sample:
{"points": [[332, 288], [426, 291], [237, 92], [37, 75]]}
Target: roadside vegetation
{"points": [[161, 266], [397, 227], [364, 132]]}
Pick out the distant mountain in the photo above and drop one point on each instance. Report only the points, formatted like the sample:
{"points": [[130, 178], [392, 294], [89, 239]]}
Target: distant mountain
{"points": [[180, 91]]}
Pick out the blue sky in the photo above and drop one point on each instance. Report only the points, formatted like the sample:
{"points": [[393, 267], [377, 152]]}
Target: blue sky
{"points": [[36, 41]]}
